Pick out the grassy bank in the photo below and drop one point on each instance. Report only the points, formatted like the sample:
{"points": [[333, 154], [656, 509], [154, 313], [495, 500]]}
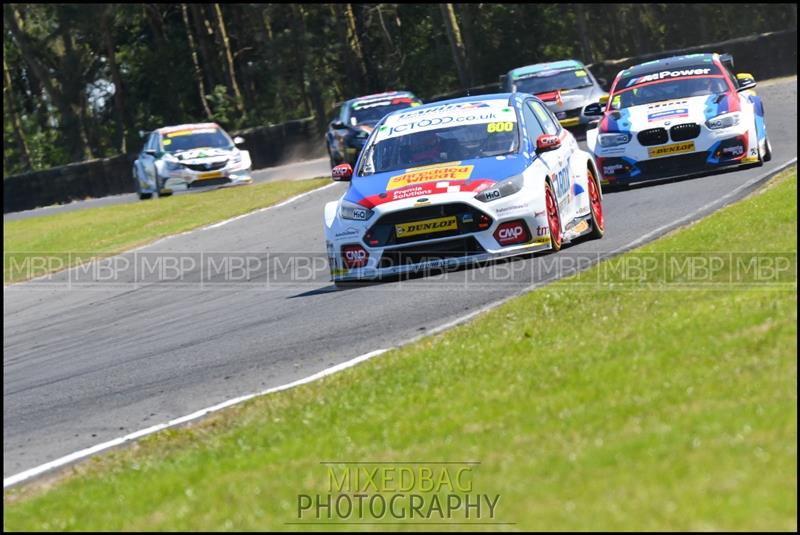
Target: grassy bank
{"points": [[112, 229], [595, 402]]}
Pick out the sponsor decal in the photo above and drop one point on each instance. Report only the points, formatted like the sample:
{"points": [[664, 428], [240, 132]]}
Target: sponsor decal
{"points": [[668, 74], [441, 224], [492, 194], [611, 169], [434, 123], [511, 233], [673, 114], [354, 256], [581, 227], [434, 174], [512, 208], [542, 231], [669, 150], [348, 232], [542, 241], [208, 176], [190, 132], [446, 107], [736, 150]]}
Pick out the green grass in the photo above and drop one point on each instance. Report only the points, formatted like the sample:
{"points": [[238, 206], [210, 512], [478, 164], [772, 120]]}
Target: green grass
{"points": [[614, 406], [112, 229]]}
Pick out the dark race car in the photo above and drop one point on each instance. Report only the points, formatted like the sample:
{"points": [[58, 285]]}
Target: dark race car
{"points": [[348, 132]]}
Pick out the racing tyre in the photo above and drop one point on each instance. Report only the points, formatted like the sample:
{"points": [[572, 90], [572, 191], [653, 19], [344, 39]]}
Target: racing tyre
{"points": [[768, 155], [596, 205], [142, 196], [553, 219]]}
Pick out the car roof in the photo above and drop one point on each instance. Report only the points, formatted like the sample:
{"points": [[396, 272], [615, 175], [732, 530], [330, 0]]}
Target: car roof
{"points": [[188, 126], [379, 96], [547, 66], [506, 97], [674, 62]]}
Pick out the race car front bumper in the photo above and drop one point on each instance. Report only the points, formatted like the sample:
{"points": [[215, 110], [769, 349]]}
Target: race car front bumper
{"points": [[729, 151], [185, 179], [522, 227]]}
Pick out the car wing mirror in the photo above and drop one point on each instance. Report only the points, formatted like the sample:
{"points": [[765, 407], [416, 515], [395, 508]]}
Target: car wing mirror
{"points": [[746, 81], [593, 110], [547, 142], [342, 172]]}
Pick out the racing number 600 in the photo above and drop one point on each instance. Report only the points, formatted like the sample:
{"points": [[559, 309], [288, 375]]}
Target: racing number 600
{"points": [[500, 127]]}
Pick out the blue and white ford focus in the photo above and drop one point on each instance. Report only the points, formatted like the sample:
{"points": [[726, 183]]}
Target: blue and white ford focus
{"points": [[459, 181]]}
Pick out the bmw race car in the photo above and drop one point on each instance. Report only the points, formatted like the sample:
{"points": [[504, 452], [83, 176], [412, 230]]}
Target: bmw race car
{"points": [[459, 181], [349, 130], [189, 156], [679, 116], [566, 87]]}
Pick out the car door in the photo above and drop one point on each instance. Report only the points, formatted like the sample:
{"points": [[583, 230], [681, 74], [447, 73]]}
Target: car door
{"points": [[148, 156], [558, 160]]}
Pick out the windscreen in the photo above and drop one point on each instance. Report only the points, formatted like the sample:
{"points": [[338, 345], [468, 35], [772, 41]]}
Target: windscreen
{"points": [[181, 140], [668, 85], [548, 81], [373, 111], [420, 139]]}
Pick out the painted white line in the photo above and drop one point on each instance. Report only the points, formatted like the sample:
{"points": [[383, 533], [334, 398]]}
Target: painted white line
{"points": [[72, 457], [27, 474]]}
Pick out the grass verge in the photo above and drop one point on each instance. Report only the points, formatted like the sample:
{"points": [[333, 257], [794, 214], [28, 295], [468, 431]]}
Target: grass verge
{"points": [[112, 229], [596, 402]]}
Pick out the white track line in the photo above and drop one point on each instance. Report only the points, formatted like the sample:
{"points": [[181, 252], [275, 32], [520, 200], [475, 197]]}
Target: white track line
{"points": [[27, 474]]}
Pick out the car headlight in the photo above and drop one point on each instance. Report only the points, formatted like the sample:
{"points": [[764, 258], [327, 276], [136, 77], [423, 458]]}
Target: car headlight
{"points": [[172, 165], [354, 211], [505, 188], [613, 140], [726, 120]]}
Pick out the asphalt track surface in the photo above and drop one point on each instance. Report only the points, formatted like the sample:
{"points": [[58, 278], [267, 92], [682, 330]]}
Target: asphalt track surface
{"points": [[86, 360], [293, 171]]}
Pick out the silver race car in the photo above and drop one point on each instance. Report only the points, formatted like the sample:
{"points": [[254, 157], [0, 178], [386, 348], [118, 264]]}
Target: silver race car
{"points": [[186, 156]]}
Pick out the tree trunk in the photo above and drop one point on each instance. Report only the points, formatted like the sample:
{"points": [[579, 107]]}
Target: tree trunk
{"points": [[198, 73], [11, 109], [209, 58], [106, 23], [74, 136], [231, 70], [469, 16], [456, 43], [586, 48], [355, 47]]}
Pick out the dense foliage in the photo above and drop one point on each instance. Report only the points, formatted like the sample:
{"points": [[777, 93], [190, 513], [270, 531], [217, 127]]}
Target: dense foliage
{"points": [[81, 80]]}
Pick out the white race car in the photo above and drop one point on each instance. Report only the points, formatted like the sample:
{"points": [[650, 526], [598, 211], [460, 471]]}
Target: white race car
{"points": [[678, 116], [189, 156], [459, 181]]}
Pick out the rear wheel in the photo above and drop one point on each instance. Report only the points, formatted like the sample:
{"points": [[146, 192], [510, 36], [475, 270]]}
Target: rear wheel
{"points": [[596, 204], [553, 219]]}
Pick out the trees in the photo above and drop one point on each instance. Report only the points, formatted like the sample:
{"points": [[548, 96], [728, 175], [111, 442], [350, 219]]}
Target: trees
{"points": [[81, 79]]}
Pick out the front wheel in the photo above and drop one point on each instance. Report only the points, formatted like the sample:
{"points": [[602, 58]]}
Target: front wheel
{"points": [[596, 204], [553, 219]]}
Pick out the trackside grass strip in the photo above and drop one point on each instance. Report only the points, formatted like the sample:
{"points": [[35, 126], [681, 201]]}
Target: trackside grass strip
{"points": [[591, 403], [113, 229]]}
